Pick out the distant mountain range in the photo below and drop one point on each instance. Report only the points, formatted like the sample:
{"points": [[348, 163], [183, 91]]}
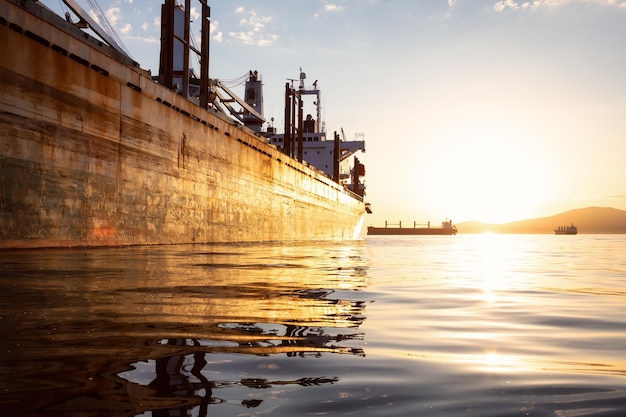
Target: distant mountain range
{"points": [[588, 220]]}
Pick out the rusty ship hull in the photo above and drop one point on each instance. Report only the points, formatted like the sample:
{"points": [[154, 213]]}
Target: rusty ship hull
{"points": [[93, 152]]}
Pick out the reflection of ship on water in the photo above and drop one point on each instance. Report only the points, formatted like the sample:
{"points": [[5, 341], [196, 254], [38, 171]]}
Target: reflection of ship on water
{"points": [[172, 331], [179, 378], [180, 384], [296, 341], [186, 374]]}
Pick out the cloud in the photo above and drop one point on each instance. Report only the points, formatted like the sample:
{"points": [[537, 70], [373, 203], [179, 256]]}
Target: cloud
{"points": [[330, 8], [216, 34], [194, 13], [536, 4], [126, 28], [252, 38], [113, 15], [253, 32], [505, 4], [145, 39]]}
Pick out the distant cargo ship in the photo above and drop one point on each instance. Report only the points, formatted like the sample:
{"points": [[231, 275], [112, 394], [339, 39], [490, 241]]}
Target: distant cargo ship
{"points": [[447, 228], [95, 151], [566, 230]]}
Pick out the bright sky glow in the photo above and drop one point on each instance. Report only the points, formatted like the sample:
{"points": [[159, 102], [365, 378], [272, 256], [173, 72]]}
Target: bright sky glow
{"points": [[472, 109]]}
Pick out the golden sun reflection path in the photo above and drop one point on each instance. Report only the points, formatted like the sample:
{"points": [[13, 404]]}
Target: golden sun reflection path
{"points": [[502, 304]]}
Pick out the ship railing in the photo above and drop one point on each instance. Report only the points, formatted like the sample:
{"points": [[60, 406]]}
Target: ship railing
{"points": [[353, 194], [389, 225], [322, 173], [393, 225]]}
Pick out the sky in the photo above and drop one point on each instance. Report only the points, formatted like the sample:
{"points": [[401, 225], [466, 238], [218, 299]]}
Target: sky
{"points": [[486, 110]]}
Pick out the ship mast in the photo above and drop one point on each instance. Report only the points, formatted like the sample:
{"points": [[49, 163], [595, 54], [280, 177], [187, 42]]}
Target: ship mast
{"points": [[295, 125], [176, 48]]}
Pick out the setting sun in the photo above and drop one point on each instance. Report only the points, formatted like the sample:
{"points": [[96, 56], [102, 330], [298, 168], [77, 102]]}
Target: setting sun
{"points": [[491, 173]]}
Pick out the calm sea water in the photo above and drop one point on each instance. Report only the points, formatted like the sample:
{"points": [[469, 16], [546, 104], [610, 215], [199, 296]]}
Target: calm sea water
{"points": [[467, 325]]}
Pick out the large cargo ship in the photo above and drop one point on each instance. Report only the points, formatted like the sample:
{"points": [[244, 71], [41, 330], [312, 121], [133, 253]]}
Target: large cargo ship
{"points": [[447, 228], [96, 151]]}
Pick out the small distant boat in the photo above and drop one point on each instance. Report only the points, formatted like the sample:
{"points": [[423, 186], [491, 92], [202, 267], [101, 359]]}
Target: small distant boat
{"points": [[447, 228], [566, 230]]}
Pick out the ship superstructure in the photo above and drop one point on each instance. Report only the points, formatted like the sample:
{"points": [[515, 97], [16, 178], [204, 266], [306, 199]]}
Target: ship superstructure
{"points": [[305, 137]]}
